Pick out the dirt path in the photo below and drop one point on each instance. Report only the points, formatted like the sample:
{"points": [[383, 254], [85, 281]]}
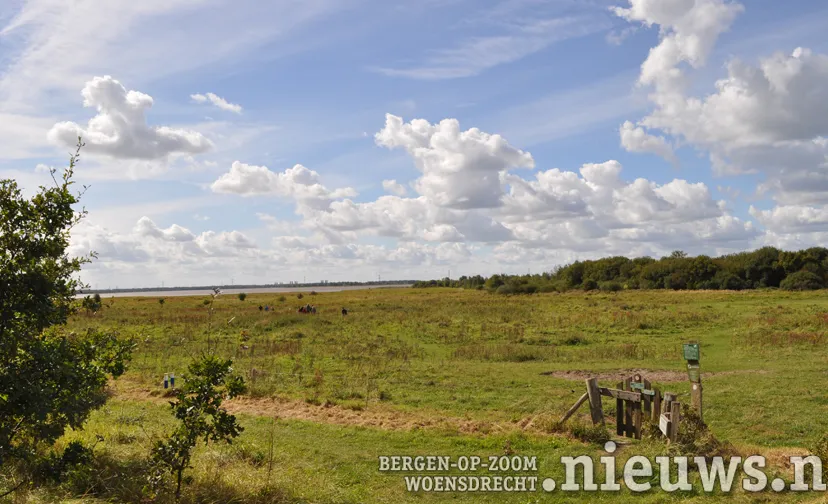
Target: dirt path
{"points": [[383, 417], [377, 416]]}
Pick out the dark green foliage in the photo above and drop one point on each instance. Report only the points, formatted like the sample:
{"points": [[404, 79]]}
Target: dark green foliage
{"points": [[766, 267], [92, 304], [197, 406], [242, 296], [55, 467], [803, 280], [49, 379]]}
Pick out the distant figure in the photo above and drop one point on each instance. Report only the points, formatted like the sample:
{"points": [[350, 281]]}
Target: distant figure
{"points": [[344, 312], [260, 307], [301, 309], [313, 310], [267, 308]]}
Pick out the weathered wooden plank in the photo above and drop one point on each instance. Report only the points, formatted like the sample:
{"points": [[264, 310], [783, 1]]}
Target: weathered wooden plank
{"points": [[620, 394], [574, 408], [637, 419], [656, 404], [619, 413], [647, 401], [668, 398], [628, 417], [675, 419], [595, 409], [664, 424], [696, 398]]}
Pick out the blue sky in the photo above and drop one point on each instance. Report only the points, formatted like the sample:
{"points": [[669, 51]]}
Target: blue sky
{"points": [[250, 140]]}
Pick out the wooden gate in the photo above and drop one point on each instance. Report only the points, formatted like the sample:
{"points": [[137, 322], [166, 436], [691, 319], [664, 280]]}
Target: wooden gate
{"points": [[635, 403]]}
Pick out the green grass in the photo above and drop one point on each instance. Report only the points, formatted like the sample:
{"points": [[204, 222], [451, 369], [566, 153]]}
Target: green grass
{"points": [[466, 355]]}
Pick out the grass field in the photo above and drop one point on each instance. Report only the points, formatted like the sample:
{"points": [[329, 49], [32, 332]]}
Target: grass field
{"points": [[454, 372]]}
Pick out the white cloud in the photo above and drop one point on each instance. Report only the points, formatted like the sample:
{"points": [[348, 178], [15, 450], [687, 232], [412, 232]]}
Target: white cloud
{"points": [[120, 128], [636, 139], [791, 219], [394, 187], [216, 100], [688, 29], [298, 182], [770, 119], [460, 169], [146, 228]]}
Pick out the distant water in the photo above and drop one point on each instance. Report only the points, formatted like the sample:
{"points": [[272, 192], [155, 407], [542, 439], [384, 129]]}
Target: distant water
{"points": [[257, 290]]}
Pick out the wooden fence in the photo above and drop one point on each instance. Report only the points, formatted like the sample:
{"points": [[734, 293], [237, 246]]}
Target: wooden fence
{"points": [[635, 402]]}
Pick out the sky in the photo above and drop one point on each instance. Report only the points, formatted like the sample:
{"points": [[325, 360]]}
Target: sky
{"points": [[255, 142]]}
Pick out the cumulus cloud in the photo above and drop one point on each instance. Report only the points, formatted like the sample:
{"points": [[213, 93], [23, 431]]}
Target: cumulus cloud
{"points": [[120, 129], [148, 242], [688, 31], [460, 169], [394, 187], [770, 118], [298, 182], [789, 219], [636, 139], [216, 100], [146, 228]]}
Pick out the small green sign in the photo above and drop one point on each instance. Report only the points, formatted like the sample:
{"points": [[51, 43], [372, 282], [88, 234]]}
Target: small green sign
{"points": [[693, 373], [634, 385], [691, 351]]}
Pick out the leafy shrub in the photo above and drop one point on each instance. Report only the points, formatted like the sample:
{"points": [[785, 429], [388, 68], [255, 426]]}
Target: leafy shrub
{"points": [[505, 289], [242, 296], [50, 380], [802, 280], [590, 285], [731, 282], [197, 406], [610, 286], [695, 439]]}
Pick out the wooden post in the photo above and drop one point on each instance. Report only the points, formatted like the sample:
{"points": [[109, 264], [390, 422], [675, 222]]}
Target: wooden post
{"points": [[595, 409], [628, 414], [619, 412], [656, 405], [637, 419], [573, 409], [668, 398], [675, 418], [696, 398], [647, 401]]}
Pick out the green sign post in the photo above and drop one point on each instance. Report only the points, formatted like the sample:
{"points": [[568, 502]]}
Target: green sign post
{"points": [[692, 355]]}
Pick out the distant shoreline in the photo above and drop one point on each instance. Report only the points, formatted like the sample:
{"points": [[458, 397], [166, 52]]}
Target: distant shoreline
{"points": [[237, 289]]}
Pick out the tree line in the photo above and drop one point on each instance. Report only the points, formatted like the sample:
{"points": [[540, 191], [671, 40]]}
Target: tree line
{"points": [[767, 267]]}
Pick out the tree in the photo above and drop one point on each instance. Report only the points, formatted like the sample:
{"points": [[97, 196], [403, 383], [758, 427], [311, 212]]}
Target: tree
{"points": [[161, 301], [802, 280], [242, 296], [197, 407], [49, 379]]}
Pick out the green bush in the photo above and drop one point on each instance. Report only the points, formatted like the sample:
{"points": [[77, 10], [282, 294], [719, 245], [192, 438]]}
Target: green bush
{"points": [[610, 286], [590, 285], [802, 280]]}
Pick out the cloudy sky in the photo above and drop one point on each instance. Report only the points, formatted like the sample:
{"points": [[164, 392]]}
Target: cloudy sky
{"points": [[345, 139]]}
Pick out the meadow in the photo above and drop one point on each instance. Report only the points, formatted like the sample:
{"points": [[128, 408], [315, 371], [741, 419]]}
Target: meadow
{"points": [[450, 372]]}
